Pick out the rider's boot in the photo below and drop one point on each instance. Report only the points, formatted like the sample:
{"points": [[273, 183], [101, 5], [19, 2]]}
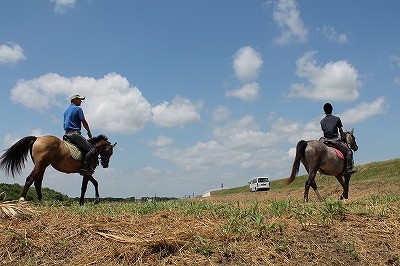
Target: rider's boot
{"points": [[86, 169], [349, 165]]}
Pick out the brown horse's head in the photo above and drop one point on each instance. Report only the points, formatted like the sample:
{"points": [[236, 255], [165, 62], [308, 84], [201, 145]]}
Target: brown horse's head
{"points": [[351, 140], [104, 148]]}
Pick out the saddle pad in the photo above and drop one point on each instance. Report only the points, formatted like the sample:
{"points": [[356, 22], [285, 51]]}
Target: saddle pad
{"points": [[338, 153], [74, 151]]}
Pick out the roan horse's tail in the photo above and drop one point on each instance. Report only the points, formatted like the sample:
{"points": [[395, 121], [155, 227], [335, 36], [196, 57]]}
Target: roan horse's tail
{"points": [[13, 159], [301, 147]]}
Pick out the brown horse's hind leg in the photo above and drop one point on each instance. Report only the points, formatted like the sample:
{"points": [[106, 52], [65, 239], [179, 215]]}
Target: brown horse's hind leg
{"points": [[28, 183], [35, 176], [38, 186]]}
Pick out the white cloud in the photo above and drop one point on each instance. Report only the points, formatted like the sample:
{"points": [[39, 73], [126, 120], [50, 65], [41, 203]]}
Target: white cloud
{"points": [[237, 142], [247, 63], [178, 113], [221, 113], [62, 5], [11, 54], [397, 81], [161, 141], [364, 111], [335, 81], [295, 131], [232, 127], [287, 16], [111, 103], [10, 140], [149, 171], [333, 35], [249, 92], [396, 59]]}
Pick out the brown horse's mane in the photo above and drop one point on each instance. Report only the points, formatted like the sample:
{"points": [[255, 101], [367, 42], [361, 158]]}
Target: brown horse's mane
{"points": [[97, 139]]}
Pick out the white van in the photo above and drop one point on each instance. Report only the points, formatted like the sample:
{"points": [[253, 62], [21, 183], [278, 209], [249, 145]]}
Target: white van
{"points": [[259, 183]]}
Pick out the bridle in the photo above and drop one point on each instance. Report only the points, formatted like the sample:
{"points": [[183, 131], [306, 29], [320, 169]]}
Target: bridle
{"points": [[351, 144], [104, 151]]}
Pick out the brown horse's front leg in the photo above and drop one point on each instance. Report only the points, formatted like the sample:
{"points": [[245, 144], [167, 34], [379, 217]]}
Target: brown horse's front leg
{"points": [[85, 181], [38, 187], [96, 189]]}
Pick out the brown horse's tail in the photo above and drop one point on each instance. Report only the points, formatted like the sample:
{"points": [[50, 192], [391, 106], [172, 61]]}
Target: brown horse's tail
{"points": [[301, 147], [13, 159]]}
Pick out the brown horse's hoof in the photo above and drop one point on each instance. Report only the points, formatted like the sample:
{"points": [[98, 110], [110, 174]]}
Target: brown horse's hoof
{"points": [[342, 198]]}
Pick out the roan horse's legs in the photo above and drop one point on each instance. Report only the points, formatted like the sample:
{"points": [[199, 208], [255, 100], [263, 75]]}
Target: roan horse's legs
{"points": [[345, 194], [311, 182], [345, 184], [85, 181]]}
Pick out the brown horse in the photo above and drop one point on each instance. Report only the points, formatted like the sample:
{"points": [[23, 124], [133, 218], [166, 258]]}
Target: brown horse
{"points": [[316, 156], [50, 150]]}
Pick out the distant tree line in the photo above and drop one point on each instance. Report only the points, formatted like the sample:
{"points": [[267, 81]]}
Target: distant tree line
{"points": [[13, 192]]}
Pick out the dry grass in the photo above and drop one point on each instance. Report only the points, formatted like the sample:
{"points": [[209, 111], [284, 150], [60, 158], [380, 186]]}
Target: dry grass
{"points": [[15, 209], [269, 228]]}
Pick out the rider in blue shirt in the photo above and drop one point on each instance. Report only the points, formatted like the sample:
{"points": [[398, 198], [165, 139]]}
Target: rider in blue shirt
{"points": [[73, 120], [333, 132]]}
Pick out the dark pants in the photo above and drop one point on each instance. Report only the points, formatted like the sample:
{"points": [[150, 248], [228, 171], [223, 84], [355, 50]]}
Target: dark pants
{"points": [[342, 147], [79, 140]]}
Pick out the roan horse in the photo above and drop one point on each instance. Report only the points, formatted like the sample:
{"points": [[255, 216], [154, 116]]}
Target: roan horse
{"points": [[316, 156], [50, 150]]}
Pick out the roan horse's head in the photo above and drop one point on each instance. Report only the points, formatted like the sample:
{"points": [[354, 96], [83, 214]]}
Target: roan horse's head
{"points": [[351, 140]]}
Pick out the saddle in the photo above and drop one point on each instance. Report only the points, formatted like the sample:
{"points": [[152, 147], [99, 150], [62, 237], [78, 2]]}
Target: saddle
{"points": [[332, 146], [74, 149]]}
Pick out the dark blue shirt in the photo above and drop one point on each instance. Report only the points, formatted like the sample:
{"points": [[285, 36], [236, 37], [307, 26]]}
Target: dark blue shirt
{"points": [[73, 116], [330, 125]]}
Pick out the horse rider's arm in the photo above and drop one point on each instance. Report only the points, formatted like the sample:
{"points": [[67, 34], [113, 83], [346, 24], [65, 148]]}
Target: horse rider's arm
{"points": [[86, 126], [342, 134]]}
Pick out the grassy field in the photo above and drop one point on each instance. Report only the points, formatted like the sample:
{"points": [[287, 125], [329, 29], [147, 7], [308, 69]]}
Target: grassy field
{"points": [[232, 227]]}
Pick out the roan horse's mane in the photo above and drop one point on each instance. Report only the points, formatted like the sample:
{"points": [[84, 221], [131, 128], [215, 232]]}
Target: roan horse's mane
{"points": [[97, 139]]}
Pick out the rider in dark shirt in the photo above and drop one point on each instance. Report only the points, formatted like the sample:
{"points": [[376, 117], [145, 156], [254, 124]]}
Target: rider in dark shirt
{"points": [[331, 126]]}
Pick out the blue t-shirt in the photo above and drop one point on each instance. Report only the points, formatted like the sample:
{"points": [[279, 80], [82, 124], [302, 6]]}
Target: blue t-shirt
{"points": [[73, 116]]}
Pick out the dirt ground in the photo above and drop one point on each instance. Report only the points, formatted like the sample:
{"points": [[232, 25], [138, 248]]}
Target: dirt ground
{"points": [[58, 236]]}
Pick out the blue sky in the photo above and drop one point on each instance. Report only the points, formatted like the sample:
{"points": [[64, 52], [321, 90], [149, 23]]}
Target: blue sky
{"points": [[199, 93]]}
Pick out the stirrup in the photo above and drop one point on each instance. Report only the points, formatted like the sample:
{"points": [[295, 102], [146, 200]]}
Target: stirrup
{"points": [[351, 171]]}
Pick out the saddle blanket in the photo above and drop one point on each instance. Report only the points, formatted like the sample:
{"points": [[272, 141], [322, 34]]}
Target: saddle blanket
{"points": [[338, 153], [74, 151]]}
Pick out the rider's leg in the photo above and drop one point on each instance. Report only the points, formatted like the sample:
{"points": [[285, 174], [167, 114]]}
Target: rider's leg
{"points": [[86, 169], [84, 144], [348, 155], [350, 163]]}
